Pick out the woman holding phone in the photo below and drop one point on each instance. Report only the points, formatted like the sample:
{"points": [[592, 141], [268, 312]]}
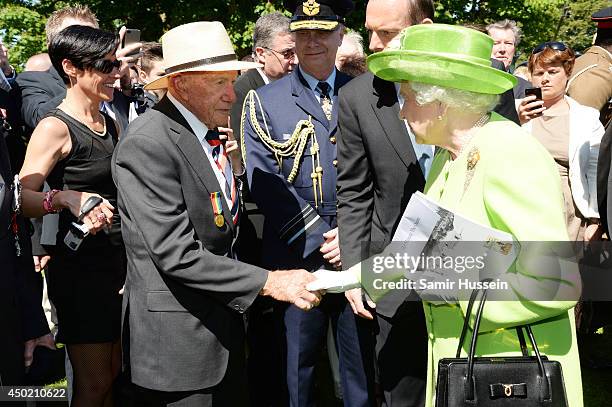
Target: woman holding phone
{"points": [[571, 133], [71, 148]]}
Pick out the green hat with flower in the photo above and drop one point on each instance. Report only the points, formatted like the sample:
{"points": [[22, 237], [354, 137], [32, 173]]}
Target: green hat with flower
{"points": [[445, 55]]}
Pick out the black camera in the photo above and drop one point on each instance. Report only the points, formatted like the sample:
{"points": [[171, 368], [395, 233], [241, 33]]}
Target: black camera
{"points": [[138, 92], [77, 231]]}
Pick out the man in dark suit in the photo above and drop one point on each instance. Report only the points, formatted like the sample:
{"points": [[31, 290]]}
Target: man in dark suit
{"points": [[380, 166], [506, 38], [291, 167], [185, 294]]}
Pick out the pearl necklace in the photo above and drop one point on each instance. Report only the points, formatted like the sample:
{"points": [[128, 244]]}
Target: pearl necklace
{"points": [[479, 123]]}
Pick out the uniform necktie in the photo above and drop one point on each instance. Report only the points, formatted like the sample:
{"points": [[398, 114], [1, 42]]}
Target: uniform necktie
{"points": [[326, 102], [220, 158]]}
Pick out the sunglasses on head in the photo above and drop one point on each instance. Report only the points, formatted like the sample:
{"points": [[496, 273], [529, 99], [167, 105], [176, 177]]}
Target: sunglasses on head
{"points": [[557, 46], [106, 65]]}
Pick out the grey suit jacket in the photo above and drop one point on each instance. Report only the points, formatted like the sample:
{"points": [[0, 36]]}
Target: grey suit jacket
{"points": [[184, 295]]}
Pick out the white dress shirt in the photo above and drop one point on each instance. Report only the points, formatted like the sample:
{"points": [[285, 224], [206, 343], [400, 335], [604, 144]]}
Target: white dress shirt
{"points": [[263, 75]]}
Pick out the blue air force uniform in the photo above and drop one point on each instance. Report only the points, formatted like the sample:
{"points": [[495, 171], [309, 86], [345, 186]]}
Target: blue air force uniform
{"points": [[297, 214]]}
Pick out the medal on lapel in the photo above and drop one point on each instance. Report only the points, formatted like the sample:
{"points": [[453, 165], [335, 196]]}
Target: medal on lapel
{"points": [[215, 200]]}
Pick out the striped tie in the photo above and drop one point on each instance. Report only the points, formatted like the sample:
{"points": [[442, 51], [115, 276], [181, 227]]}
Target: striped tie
{"points": [[220, 157], [4, 84], [326, 103]]}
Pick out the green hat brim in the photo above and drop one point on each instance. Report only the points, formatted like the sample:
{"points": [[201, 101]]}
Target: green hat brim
{"points": [[436, 69]]}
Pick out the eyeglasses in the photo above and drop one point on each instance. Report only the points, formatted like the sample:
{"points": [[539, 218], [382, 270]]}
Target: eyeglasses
{"points": [[106, 65], [557, 46], [287, 54]]}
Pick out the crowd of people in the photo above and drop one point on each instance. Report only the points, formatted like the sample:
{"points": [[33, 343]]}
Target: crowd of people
{"points": [[174, 201]]}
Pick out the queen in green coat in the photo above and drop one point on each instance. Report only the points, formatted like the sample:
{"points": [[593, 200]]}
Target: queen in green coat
{"points": [[488, 170]]}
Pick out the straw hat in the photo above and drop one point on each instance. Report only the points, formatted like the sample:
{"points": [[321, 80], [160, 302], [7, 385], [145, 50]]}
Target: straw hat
{"points": [[445, 55], [195, 47]]}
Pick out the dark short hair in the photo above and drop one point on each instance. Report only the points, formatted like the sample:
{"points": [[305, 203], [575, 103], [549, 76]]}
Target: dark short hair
{"points": [[420, 10], [151, 53], [81, 45], [550, 56]]}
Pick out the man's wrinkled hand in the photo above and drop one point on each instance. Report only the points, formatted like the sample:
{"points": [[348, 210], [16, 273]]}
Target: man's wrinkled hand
{"points": [[290, 286]]}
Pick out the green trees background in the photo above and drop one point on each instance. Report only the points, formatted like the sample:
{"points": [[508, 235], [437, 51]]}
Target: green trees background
{"points": [[22, 22]]}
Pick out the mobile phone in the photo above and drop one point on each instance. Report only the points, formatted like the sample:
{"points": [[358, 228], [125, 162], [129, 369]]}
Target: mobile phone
{"points": [[132, 35], [534, 91]]}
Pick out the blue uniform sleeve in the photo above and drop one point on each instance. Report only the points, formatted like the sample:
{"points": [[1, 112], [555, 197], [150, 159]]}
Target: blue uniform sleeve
{"points": [[295, 220]]}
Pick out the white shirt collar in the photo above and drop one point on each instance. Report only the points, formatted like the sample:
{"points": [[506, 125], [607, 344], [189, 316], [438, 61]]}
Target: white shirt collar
{"points": [[263, 75]]}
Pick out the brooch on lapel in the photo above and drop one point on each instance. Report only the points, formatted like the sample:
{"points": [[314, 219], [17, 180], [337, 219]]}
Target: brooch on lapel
{"points": [[215, 200], [472, 159]]}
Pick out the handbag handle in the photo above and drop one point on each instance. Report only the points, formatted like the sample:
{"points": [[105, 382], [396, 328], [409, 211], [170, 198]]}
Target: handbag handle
{"points": [[519, 329], [469, 379]]}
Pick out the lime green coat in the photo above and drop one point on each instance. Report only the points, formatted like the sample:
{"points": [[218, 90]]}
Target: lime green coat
{"points": [[515, 188]]}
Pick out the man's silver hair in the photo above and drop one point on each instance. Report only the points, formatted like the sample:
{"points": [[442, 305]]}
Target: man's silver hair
{"points": [[456, 98], [267, 27], [507, 25]]}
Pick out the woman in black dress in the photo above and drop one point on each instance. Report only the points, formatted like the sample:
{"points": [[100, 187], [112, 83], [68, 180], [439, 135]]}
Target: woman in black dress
{"points": [[71, 148]]}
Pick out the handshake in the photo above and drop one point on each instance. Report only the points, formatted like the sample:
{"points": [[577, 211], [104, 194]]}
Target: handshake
{"points": [[304, 289]]}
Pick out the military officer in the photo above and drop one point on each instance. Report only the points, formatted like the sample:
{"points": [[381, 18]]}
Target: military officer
{"points": [[591, 80], [591, 85], [290, 142]]}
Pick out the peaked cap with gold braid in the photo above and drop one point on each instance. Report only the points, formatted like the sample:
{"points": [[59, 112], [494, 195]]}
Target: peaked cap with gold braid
{"points": [[318, 14]]}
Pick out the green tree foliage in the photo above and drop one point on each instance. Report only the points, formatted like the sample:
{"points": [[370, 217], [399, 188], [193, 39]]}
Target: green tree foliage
{"points": [[22, 30], [577, 29], [22, 21], [538, 19]]}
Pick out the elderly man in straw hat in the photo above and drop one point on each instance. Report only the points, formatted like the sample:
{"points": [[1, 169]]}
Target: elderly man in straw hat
{"points": [[185, 294]]}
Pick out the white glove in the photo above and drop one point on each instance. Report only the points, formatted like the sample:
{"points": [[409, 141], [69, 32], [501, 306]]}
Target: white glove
{"points": [[333, 281]]}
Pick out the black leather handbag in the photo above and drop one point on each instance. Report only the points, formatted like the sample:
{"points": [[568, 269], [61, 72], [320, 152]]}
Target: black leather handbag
{"points": [[517, 381]]}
